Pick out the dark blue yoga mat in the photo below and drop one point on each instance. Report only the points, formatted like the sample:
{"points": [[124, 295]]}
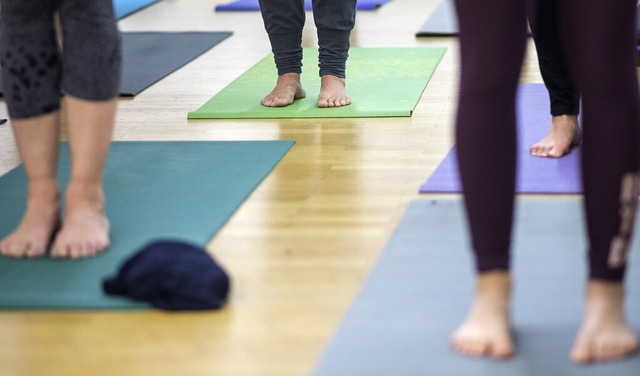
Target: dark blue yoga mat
{"points": [[535, 174], [252, 5], [421, 287], [178, 190], [124, 8], [148, 57]]}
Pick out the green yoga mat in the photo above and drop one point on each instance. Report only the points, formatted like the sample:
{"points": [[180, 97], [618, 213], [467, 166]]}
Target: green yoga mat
{"points": [[177, 190], [380, 81]]}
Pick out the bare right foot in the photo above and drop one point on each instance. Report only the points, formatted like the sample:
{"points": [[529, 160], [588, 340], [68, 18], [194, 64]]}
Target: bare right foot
{"points": [[40, 221], [288, 88], [564, 133], [605, 334], [486, 331], [85, 229]]}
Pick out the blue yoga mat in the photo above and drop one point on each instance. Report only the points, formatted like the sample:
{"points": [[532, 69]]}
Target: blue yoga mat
{"points": [[252, 5], [124, 8], [535, 174], [421, 288], [177, 190]]}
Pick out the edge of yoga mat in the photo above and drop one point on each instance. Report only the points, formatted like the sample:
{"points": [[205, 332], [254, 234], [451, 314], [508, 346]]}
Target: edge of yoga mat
{"points": [[382, 82], [124, 8], [184, 190], [535, 175], [252, 5], [419, 291], [145, 64], [443, 22], [148, 57]]}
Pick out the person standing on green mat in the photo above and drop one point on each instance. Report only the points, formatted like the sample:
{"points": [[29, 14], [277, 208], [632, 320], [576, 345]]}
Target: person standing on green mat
{"points": [[284, 21], [35, 70], [601, 58], [564, 98]]}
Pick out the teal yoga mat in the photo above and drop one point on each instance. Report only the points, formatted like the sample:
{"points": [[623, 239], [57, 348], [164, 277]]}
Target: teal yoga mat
{"points": [[380, 81], [178, 190], [421, 287]]}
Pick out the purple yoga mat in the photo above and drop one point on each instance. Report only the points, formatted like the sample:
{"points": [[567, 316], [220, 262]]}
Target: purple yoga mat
{"points": [[249, 5], [535, 175]]}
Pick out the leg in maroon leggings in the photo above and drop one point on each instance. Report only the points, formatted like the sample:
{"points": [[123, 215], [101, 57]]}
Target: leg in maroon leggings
{"points": [[601, 45], [492, 44], [599, 38]]}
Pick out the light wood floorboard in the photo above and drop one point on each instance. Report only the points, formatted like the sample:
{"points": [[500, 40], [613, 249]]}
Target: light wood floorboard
{"points": [[298, 249]]}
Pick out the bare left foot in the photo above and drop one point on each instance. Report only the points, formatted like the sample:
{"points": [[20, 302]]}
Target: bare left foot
{"points": [[333, 92], [605, 334], [85, 228], [564, 133]]}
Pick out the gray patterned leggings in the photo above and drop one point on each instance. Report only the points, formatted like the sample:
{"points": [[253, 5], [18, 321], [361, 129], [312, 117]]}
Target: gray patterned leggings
{"points": [[35, 70]]}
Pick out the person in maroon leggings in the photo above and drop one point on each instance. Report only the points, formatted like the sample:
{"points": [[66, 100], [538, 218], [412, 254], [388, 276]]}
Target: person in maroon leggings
{"points": [[599, 40]]}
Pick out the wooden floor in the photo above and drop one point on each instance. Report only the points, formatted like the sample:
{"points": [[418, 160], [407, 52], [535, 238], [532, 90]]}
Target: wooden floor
{"points": [[299, 248]]}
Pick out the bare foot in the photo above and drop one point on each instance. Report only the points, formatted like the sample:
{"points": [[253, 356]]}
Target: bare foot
{"points": [[40, 221], [605, 334], [288, 88], [486, 331], [564, 134], [85, 229], [333, 92]]}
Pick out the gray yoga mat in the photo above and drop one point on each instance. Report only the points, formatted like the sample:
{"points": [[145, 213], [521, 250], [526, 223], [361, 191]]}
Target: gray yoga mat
{"points": [[148, 57], [421, 287], [442, 22]]}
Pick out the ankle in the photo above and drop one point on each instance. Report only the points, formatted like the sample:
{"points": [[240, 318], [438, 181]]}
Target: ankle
{"points": [[43, 189], [85, 191], [605, 295]]}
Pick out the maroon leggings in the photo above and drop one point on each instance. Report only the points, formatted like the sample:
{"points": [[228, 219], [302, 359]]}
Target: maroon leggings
{"points": [[599, 39]]}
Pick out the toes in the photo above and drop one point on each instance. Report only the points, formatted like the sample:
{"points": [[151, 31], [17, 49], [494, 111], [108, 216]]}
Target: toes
{"points": [[502, 350], [472, 348], [598, 353], [581, 354], [539, 150]]}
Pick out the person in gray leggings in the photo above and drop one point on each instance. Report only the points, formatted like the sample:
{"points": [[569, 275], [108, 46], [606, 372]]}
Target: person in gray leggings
{"points": [[284, 21], [49, 47]]}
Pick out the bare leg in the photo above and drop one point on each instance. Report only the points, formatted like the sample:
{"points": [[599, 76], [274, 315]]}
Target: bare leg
{"points": [[333, 92], [605, 334], [85, 230], [486, 331], [37, 140], [288, 88], [564, 133]]}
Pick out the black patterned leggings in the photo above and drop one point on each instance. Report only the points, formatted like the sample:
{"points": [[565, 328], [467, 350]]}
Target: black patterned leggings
{"points": [[35, 70], [600, 38]]}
